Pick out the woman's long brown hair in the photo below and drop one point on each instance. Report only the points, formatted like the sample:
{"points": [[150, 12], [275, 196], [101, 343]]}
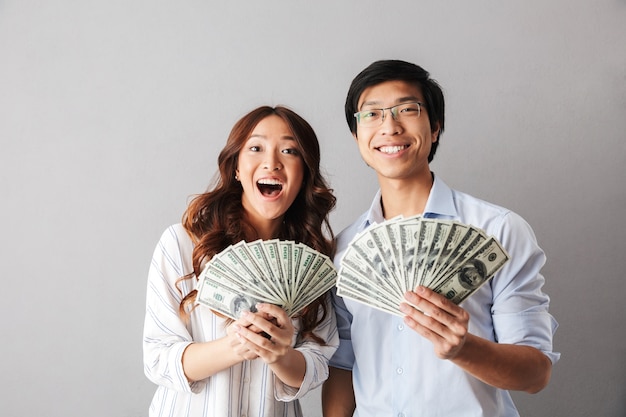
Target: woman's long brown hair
{"points": [[215, 219]]}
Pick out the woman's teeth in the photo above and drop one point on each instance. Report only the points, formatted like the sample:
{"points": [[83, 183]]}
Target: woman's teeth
{"points": [[268, 181], [269, 186]]}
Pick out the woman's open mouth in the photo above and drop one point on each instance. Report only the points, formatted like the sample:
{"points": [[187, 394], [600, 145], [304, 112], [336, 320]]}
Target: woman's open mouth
{"points": [[269, 187]]}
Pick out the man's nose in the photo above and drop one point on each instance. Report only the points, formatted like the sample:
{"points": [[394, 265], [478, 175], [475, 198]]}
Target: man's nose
{"points": [[390, 124]]}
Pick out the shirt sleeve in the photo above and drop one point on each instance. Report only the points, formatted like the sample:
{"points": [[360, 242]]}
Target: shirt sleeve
{"points": [[315, 355], [165, 335], [344, 356], [520, 307]]}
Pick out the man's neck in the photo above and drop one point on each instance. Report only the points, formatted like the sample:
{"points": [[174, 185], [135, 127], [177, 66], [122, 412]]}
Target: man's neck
{"points": [[405, 197]]}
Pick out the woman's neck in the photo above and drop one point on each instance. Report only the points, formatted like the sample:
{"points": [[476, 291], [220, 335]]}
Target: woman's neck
{"points": [[265, 230]]}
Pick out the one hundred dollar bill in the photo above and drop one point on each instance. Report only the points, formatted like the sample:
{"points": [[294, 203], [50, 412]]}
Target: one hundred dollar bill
{"points": [[227, 301], [288, 274], [479, 268], [389, 258]]}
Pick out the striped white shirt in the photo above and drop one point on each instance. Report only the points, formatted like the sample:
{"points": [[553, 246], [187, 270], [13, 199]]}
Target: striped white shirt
{"points": [[247, 389]]}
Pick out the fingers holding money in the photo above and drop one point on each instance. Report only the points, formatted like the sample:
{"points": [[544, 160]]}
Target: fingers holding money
{"points": [[279, 325], [437, 319], [235, 341], [275, 336]]}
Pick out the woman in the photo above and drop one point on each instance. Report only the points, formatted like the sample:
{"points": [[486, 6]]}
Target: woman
{"points": [[269, 186]]}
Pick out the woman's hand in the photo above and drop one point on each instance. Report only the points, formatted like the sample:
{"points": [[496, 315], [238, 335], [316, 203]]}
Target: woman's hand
{"points": [[267, 334], [235, 340], [204, 359], [274, 342]]}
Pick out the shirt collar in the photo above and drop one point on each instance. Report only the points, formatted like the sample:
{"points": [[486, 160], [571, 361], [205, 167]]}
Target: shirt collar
{"points": [[440, 204], [374, 214]]}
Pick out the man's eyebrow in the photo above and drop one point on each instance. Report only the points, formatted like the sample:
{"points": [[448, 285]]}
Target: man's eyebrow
{"points": [[398, 101]]}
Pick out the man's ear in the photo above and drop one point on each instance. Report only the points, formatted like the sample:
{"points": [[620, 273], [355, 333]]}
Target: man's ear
{"points": [[435, 134], [355, 138]]}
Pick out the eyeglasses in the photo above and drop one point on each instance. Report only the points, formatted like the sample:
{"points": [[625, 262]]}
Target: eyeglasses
{"points": [[400, 112]]}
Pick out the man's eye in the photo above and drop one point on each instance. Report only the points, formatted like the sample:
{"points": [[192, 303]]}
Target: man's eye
{"points": [[370, 114], [409, 109]]}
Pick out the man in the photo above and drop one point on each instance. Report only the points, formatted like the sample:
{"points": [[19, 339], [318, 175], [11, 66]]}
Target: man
{"points": [[441, 359]]}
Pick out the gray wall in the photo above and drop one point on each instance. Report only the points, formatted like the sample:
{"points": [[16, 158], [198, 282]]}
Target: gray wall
{"points": [[112, 114]]}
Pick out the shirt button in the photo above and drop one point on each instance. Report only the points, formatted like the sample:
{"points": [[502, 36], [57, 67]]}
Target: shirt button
{"points": [[399, 371], [400, 414], [400, 327]]}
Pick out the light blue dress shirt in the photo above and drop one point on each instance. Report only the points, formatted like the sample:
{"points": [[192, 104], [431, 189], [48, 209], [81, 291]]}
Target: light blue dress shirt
{"points": [[395, 370]]}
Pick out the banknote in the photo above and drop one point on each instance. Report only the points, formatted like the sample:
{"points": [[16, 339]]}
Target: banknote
{"points": [[322, 280], [230, 302], [389, 258], [289, 274], [409, 238], [479, 268]]}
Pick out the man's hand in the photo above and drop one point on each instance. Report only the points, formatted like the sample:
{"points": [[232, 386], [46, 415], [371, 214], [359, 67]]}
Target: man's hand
{"points": [[506, 366], [437, 319]]}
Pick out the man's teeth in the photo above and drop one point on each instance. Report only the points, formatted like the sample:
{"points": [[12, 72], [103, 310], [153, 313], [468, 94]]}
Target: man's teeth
{"points": [[391, 149]]}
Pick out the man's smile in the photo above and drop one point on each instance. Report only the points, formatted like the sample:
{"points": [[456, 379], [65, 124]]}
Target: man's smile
{"points": [[392, 149]]}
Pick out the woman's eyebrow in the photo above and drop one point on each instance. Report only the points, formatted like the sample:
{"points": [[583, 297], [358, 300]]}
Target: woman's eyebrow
{"points": [[259, 136]]}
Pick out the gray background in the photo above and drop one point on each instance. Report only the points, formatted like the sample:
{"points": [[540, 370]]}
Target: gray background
{"points": [[112, 114]]}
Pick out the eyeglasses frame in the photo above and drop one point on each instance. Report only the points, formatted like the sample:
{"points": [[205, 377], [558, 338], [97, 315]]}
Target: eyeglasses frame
{"points": [[394, 115]]}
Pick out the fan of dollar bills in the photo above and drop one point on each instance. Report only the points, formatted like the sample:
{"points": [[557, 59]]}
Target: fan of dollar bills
{"points": [[285, 273], [389, 258]]}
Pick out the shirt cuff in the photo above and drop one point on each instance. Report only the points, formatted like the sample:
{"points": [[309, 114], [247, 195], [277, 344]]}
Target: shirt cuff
{"points": [[534, 329]]}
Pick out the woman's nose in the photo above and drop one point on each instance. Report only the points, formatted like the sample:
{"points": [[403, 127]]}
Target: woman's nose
{"points": [[272, 163]]}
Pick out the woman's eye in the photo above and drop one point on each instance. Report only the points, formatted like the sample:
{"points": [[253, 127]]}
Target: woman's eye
{"points": [[291, 151], [255, 148]]}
